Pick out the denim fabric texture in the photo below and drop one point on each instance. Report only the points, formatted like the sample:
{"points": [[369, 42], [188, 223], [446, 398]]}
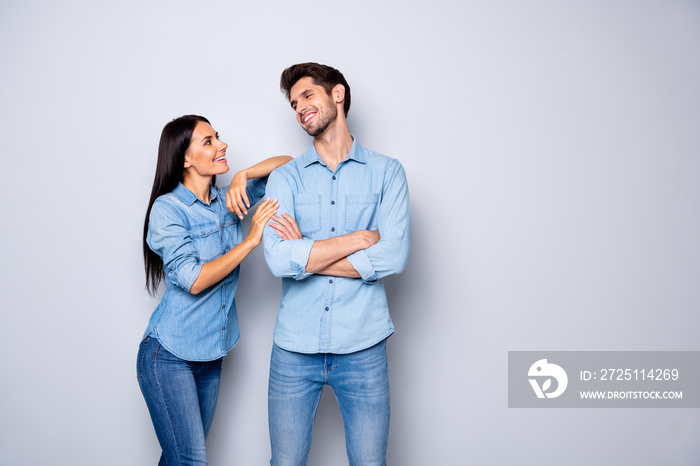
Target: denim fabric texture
{"points": [[367, 191], [360, 382], [185, 232], [181, 398]]}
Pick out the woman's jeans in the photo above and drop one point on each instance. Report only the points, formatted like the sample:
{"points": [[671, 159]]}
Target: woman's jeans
{"points": [[181, 397], [360, 382]]}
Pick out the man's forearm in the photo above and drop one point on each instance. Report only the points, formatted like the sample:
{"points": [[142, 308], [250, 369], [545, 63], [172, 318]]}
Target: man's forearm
{"points": [[327, 252], [341, 268]]}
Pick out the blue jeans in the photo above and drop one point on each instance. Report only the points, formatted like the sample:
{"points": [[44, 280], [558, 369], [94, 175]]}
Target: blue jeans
{"points": [[181, 397], [360, 382]]}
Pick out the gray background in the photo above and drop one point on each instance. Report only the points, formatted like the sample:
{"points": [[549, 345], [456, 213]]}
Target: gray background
{"points": [[552, 152]]}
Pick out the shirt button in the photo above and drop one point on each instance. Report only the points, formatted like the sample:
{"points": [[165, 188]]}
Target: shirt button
{"points": [[333, 229], [330, 281], [332, 202], [223, 328], [326, 309], [223, 306], [333, 177]]}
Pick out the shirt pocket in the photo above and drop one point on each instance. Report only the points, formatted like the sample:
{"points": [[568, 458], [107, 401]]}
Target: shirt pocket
{"points": [[360, 211], [207, 241], [307, 213]]}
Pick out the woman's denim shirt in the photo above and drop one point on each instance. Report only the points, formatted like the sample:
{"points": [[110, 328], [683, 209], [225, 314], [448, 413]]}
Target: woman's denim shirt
{"points": [[186, 233]]}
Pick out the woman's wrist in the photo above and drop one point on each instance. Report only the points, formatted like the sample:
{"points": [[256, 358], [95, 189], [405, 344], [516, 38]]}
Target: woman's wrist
{"points": [[249, 243], [242, 174]]}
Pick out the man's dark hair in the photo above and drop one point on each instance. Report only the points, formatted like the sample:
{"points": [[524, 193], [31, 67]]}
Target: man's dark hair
{"points": [[323, 75]]}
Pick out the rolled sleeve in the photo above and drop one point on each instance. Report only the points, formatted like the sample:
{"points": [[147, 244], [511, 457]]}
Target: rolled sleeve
{"points": [[363, 266], [390, 254], [168, 237], [300, 250], [284, 258]]}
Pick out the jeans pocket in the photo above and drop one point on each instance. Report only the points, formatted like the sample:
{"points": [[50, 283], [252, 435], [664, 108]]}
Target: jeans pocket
{"points": [[141, 355]]}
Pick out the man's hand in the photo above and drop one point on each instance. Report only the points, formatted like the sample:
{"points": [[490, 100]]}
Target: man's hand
{"points": [[370, 237], [285, 226], [236, 197]]}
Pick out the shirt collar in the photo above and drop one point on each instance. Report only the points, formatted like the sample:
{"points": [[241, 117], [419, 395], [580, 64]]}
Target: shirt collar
{"points": [[356, 153], [188, 197]]}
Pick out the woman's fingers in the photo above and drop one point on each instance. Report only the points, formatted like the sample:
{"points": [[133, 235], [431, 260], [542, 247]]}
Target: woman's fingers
{"points": [[237, 201], [244, 198], [266, 210], [285, 225], [236, 197], [243, 202], [232, 205]]}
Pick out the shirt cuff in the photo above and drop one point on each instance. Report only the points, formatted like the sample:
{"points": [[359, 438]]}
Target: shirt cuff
{"points": [[301, 248], [188, 275], [363, 266]]}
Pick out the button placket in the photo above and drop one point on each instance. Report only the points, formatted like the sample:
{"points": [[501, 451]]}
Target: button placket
{"points": [[223, 308], [334, 193]]}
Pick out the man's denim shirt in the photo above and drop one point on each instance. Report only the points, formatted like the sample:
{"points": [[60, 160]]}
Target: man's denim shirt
{"points": [[367, 191], [185, 232]]}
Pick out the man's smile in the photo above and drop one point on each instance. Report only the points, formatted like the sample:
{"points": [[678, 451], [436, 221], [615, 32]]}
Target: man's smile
{"points": [[305, 119]]}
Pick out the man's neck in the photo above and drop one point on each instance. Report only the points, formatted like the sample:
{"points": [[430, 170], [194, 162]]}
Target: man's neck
{"points": [[334, 144]]}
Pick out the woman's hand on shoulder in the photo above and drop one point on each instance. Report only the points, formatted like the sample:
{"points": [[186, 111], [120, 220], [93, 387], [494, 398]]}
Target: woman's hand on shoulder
{"points": [[236, 196]]}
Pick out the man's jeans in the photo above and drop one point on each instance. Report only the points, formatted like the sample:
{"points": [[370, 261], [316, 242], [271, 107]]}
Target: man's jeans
{"points": [[360, 382], [181, 397]]}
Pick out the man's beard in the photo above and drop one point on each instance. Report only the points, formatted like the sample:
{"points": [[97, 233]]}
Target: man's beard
{"points": [[323, 124]]}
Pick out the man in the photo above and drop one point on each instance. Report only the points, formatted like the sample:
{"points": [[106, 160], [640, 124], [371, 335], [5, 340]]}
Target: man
{"points": [[344, 226]]}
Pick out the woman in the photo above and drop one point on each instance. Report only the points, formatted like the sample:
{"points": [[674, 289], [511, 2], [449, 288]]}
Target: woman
{"points": [[194, 244]]}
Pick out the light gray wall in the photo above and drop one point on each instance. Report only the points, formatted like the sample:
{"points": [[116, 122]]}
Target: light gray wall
{"points": [[553, 158]]}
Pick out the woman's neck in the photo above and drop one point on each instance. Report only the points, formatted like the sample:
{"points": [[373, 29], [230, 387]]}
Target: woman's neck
{"points": [[199, 185]]}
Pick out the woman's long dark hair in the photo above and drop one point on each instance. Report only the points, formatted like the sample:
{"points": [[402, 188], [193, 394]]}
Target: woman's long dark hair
{"points": [[174, 141]]}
